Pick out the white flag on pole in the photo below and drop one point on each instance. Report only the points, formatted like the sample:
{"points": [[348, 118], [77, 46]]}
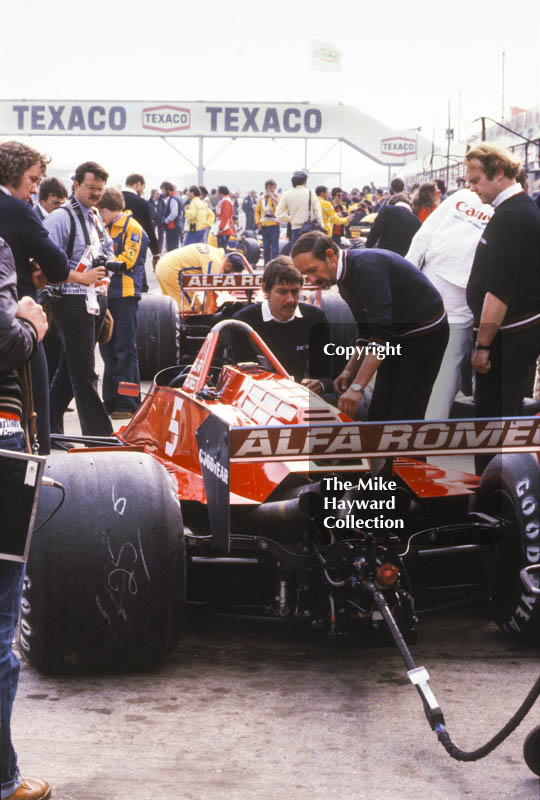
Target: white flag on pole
{"points": [[325, 56]]}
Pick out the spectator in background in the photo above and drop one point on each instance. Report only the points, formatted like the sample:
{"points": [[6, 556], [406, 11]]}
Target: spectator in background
{"points": [[52, 194], [338, 228], [196, 217], [22, 325], [210, 216], [394, 226], [157, 215], [426, 199], [379, 199], [298, 205], [329, 215], [224, 217], [249, 204], [140, 208], [120, 353], [266, 222], [173, 215], [442, 188]]}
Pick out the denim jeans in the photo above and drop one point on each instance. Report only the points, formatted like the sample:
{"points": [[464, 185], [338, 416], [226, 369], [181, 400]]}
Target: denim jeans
{"points": [[270, 236], [11, 584], [194, 237], [223, 241], [76, 373], [172, 239], [120, 354]]}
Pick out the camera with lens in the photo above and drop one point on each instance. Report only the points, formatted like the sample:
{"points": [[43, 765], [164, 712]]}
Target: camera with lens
{"points": [[112, 266]]}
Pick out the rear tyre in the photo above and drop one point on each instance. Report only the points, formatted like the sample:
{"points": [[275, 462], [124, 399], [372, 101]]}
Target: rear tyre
{"points": [[531, 750], [158, 329], [105, 581], [251, 249], [510, 489], [343, 328]]}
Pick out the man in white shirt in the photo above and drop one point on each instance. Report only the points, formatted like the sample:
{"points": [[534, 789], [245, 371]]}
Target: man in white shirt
{"points": [[298, 205], [444, 249]]}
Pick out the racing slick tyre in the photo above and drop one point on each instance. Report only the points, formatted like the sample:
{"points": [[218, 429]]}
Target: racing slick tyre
{"points": [[158, 329], [343, 328], [531, 750], [251, 249], [105, 582], [510, 490]]}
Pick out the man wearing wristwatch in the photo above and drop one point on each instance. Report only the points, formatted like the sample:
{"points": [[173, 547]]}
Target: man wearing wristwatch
{"points": [[503, 291], [397, 310]]}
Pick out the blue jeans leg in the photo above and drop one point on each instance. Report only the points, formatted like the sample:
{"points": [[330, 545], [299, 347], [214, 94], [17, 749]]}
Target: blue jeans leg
{"points": [[270, 236], [120, 354], [11, 583], [172, 239], [194, 237]]}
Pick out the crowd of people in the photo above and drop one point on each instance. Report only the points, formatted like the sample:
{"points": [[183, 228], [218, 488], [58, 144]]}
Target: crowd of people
{"points": [[438, 271]]}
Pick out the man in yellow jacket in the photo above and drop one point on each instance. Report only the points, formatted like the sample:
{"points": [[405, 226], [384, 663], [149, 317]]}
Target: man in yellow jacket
{"points": [[196, 216], [120, 353], [329, 215], [192, 259], [266, 222]]}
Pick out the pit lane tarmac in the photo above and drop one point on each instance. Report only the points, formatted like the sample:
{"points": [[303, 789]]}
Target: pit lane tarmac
{"points": [[254, 711]]}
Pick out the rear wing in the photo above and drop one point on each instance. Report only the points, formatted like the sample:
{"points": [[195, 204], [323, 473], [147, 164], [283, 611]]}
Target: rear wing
{"points": [[221, 445]]}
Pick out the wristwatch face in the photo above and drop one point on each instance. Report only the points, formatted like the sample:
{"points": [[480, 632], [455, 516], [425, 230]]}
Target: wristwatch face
{"points": [[356, 387]]}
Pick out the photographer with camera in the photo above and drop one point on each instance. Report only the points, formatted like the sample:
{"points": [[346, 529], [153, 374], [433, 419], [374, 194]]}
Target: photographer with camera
{"points": [[22, 325], [78, 310], [120, 353]]}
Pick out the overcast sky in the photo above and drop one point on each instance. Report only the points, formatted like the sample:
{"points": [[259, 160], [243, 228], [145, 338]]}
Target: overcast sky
{"points": [[402, 63]]}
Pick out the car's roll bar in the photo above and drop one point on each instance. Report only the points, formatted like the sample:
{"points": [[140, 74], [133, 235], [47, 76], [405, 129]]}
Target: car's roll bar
{"points": [[198, 375]]}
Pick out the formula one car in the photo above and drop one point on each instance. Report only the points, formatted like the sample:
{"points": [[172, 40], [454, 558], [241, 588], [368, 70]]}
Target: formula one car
{"points": [[287, 508]]}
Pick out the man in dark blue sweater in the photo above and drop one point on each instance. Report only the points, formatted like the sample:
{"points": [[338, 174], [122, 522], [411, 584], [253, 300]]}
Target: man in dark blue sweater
{"points": [[504, 285], [402, 325], [295, 332]]}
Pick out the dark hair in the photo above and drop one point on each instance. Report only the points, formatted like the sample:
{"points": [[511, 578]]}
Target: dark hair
{"points": [[15, 159], [320, 189], [424, 196], [204, 191], [441, 184], [336, 190], [396, 186], [366, 187], [93, 168], [50, 186], [297, 181], [113, 200], [134, 178], [314, 242], [195, 190], [269, 182], [223, 189], [167, 186], [280, 270]]}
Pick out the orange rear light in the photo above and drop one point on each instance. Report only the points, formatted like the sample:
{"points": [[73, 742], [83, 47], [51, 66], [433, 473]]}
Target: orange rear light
{"points": [[387, 574]]}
